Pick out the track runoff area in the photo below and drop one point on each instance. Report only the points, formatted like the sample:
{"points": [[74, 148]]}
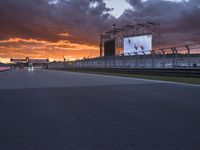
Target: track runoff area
{"points": [[43, 109]]}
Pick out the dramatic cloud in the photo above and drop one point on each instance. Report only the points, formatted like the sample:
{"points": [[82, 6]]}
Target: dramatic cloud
{"points": [[135, 3], [43, 19], [179, 19], [75, 22], [58, 28]]}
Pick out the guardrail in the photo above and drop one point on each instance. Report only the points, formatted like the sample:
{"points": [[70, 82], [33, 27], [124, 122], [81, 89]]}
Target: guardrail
{"points": [[187, 72]]}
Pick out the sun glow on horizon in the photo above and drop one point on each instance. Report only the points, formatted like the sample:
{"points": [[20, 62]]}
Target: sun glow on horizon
{"points": [[55, 51]]}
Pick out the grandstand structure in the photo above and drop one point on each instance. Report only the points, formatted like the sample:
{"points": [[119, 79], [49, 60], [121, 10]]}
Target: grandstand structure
{"points": [[117, 35], [26, 61]]}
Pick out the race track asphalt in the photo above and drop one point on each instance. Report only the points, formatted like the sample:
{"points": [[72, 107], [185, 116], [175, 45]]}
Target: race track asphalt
{"points": [[55, 110]]}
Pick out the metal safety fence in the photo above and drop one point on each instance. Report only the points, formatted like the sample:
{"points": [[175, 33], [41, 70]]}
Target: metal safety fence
{"points": [[185, 56]]}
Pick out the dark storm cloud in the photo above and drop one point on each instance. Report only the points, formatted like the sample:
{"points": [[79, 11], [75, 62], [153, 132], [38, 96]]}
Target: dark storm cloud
{"points": [[135, 3], [180, 21], [84, 20], [45, 19]]}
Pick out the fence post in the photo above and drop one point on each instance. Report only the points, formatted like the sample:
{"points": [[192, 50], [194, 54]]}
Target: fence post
{"points": [[163, 54], [174, 56], [136, 60], [145, 63], [152, 58], [188, 54]]}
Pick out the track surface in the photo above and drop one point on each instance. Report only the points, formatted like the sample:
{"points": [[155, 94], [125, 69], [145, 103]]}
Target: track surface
{"points": [[52, 110]]}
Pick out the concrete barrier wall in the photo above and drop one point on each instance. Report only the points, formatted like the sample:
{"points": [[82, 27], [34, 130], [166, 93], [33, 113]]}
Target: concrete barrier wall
{"points": [[136, 62], [54, 65], [4, 69]]}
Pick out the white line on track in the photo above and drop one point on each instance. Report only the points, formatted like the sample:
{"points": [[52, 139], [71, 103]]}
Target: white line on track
{"points": [[156, 81]]}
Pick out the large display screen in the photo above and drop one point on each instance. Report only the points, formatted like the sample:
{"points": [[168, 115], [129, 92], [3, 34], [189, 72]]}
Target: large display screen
{"points": [[140, 45]]}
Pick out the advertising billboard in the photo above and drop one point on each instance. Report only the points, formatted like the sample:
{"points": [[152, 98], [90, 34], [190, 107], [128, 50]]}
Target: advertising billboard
{"points": [[139, 44]]}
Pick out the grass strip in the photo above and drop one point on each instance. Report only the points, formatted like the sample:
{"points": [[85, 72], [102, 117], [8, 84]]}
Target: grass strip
{"points": [[189, 80]]}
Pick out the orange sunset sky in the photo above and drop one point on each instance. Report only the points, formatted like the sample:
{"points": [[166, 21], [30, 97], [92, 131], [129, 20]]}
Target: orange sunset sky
{"points": [[55, 51], [58, 29]]}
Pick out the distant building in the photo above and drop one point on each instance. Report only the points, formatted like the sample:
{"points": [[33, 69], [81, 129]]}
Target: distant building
{"points": [[25, 62]]}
